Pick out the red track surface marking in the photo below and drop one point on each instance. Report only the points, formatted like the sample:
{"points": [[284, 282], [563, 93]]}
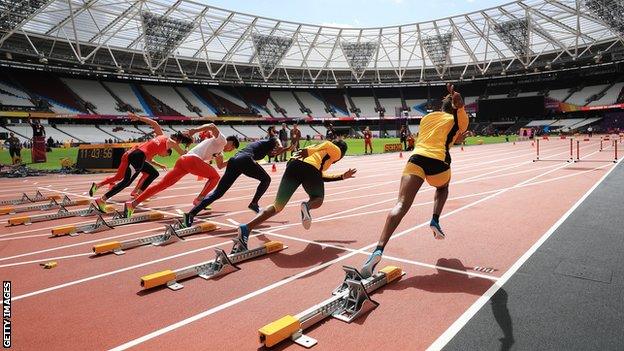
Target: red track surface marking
{"points": [[97, 299]]}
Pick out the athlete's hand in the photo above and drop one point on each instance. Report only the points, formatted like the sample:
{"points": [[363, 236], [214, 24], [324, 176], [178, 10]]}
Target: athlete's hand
{"points": [[349, 174], [458, 102], [164, 168], [133, 116], [461, 137], [301, 154]]}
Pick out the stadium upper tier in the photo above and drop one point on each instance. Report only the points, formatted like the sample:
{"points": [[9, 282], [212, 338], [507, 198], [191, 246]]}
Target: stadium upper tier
{"points": [[71, 95], [191, 40]]}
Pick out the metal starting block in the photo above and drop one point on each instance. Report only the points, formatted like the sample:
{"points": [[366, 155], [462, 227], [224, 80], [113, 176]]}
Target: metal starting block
{"points": [[221, 265], [171, 235], [66, 202], [348, 302], [101, 224], [26, 199], [62, 213]]}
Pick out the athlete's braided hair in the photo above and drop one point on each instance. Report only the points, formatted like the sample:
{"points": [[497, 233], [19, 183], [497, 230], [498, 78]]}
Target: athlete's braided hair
{"points": [[342, 146]]}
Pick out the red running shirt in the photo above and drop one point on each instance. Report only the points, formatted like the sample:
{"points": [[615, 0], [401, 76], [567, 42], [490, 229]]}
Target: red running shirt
{"points": [[153, 147]]}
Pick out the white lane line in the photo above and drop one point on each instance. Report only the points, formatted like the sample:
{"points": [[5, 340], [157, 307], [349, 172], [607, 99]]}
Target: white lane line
{"points": [[452, 330], [45, 260]]}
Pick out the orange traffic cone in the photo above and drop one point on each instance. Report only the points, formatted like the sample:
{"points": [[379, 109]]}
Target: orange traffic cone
{"points": [[462, 147], [533, 143], [514, 143], [274, 168], [400, 154]]}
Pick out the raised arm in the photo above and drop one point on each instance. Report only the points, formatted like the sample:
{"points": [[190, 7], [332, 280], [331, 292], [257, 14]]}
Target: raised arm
{"points": [[209, 126], [350, 173], [157, 129]]}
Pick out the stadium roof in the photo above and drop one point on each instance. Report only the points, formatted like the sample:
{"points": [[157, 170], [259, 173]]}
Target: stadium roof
{"points": [[196, 39]]}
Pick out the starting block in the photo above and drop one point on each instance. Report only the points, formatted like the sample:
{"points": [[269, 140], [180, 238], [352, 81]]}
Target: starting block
{"points": [[43, 207], [221, 265], [101, 224], [171, 235], [26, 199], [62, 213], [348, 302]]}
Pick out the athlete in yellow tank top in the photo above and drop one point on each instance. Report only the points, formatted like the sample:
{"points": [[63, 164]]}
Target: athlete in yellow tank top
{"points": [[430, 161]]}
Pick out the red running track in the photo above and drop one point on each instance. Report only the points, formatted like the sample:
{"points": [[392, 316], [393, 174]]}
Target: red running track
{"points": [[500, 204]]}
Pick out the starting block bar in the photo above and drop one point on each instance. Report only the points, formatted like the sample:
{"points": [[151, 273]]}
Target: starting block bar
{"points": [[101, 224], [171, 235], [62, 213], [349, 301], [66, 202], [221, 265], [26, 199]]}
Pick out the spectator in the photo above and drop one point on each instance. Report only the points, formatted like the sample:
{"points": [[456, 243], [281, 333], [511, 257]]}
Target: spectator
{"points": [[368, 140], [15, 149], [295, 137], [331, 133], [38, 129], [410, 142], [403, 136], [283, 137], [50, 142]]}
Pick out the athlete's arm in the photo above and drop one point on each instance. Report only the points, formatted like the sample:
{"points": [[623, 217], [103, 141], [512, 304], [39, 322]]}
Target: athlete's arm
{"points": [[219, 160], [162, 166], [350, 173], [155, 126], [176, 147], [209, 126], [303, 153]]}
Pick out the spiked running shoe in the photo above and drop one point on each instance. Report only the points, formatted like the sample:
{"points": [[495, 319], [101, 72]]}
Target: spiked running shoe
{"points": [[93, 189], [306, 218], [369, 266], [437, 230]]}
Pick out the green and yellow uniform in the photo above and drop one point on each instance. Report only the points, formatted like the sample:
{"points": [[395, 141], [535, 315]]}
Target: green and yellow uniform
{"points": [[431, 159]]}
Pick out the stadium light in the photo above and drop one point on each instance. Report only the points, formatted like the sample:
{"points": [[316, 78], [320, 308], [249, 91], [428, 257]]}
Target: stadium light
{"points": [[270, 50], [162, 36]]}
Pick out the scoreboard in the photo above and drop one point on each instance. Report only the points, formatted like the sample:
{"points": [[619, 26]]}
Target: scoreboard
{"points": [[101, 157]]}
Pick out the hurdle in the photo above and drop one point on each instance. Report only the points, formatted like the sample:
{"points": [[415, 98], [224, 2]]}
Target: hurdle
{"points": [[221, 265], [613, 143], [172, 234], [538, 159], [101, 224], [348, 302], [66, 202], [26, 199]]}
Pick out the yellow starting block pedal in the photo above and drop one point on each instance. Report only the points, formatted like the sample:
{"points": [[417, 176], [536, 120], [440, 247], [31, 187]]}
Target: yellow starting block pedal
{"points": [[101, 224], [348, 302], [62, 213], [171, 235], [221, 265], [66, 202]]}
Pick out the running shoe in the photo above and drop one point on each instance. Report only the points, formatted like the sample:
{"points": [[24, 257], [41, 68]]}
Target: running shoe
{"points": [[306, 218], [93, 189], [101, 205], [128, 209], [369, 266], [254, 207], [187, 220], [437, 230], [243, 236]]}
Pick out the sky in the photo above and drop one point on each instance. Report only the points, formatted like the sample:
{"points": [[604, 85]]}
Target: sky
{"points": [[355, 13]]}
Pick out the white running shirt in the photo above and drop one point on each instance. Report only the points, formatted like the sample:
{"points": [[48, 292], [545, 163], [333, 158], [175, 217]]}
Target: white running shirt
{"points": [[208, 147]]}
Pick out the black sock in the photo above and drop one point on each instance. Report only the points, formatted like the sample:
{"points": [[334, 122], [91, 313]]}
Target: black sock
{"points": [[436, 217], [379, 248]]}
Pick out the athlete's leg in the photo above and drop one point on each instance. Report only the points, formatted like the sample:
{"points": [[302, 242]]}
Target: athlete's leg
{"points": [[229, 177], [410, 184], [315, 188], [441, 182], [287, 187], [172, 177], [152, 174], [136, 161], [198, 167], [252, 169]]}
